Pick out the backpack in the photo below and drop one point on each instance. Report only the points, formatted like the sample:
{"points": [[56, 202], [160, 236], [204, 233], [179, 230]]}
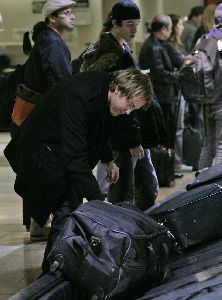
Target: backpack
{"points": [[111, 252], [8, 86], [200, 72]]}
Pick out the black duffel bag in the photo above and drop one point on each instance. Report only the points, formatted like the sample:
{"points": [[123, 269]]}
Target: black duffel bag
{"points": [[111, 252]]}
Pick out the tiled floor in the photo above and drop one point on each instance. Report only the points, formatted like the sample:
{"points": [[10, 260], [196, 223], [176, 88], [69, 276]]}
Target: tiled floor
{"points": [[20, 259]]}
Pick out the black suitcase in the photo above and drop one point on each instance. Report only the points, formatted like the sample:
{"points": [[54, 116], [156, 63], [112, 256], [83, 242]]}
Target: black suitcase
{"points": [[163, 162], [206, 176], [192, 145], [196, 275], [48, 287], [194, 216], [112, 252]]}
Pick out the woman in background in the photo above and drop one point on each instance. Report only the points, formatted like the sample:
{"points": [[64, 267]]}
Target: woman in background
{"points": [[177, 54], [207, 22]]}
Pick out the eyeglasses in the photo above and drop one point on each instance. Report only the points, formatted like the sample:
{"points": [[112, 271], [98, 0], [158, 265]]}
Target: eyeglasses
{"points": [[67, 13]]}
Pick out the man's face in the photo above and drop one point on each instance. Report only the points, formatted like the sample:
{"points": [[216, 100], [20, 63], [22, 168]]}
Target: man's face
{"points": [[120, 105], [167, 31], [65, 19], [128, 29], [197, 20]]}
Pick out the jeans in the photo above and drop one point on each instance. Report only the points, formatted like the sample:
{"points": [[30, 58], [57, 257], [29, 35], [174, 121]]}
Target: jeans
{"points": [[211, 153], [178, 154], [101, 178], [137, 182]]}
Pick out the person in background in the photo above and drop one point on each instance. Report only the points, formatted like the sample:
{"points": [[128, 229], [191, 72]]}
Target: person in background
{"points": [[138, 183], [207, 22], [154, 56], [177, 54], [49, 62], [211, 153], [190, 27], [77, 62]]}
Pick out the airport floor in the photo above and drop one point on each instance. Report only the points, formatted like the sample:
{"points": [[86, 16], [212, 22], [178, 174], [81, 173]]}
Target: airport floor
{"points": [[20, 259]]}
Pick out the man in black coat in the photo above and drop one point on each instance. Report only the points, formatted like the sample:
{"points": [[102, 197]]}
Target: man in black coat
{"points": [[154, 56], [64, 138]]}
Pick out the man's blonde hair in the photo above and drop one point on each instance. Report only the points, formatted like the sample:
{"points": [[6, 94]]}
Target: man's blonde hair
{"points": [[132, 83]]}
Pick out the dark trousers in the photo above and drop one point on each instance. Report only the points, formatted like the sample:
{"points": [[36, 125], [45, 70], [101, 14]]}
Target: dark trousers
{"points": [[137, 182], [170, 117]]}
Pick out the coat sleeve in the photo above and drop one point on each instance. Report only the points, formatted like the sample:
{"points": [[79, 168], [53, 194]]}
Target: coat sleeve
{"points": [[74, 135], [56, 62]]}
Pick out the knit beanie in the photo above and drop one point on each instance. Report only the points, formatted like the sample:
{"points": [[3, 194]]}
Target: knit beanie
{"points": [[52, 5], [218, 14], [125, 10]]}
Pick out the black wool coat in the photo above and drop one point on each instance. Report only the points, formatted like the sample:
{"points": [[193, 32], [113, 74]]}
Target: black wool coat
{"points": [[61, 142]]}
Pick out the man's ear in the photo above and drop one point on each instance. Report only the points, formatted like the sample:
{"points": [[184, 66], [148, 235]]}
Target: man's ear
{"points": [[52, 19], [117, 91], [114, 23]]}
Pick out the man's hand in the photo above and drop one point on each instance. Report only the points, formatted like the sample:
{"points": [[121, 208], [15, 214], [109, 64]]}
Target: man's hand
{"points": [[112, 172], [137, 152]]}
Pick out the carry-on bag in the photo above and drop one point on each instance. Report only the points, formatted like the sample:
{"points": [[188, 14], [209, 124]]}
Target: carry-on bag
{"points": [[193, 217], [192, 145], [111, 252], [163, 162], [48, 287], [206, 176]]}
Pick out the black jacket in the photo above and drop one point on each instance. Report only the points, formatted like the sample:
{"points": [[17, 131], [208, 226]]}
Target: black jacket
{"points": [[61, 142], [48, 62], [106, 54], [154, 56]]}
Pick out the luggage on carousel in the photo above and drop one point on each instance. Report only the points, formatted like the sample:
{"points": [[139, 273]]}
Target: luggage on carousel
{"points": [[112, 252], [194, 216]]}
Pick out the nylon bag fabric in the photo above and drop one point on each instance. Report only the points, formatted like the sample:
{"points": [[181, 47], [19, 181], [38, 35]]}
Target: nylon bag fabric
{"points": [[111, 252], [193, 217]]}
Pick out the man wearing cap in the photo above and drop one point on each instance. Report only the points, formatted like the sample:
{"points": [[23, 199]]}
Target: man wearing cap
{"points": [[48, 63], [49, 60], [110, 53]]}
